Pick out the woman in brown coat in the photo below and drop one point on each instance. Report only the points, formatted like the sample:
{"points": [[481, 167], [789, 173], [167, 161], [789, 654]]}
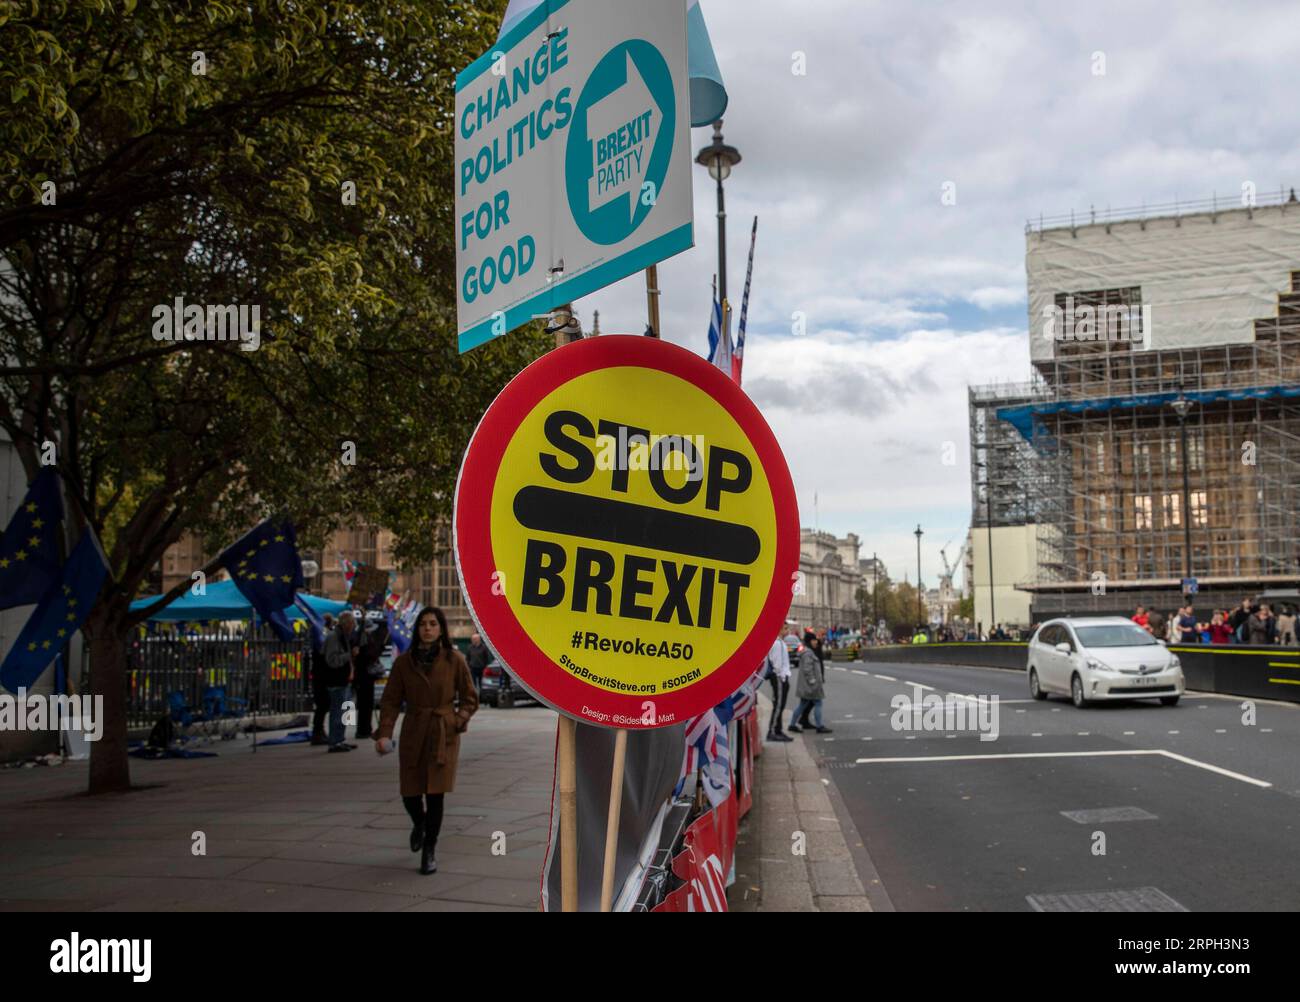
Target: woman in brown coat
{"points": [[433, 680]]}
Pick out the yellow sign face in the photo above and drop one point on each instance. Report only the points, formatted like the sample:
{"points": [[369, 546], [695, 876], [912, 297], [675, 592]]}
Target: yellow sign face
{"points": [[639, 527]]}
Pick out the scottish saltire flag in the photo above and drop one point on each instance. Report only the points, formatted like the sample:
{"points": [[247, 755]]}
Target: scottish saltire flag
{"points": [[708, 94], [60, 613], [265, 567], [29, 549], [738, 355], [315, 622], [719, 340]]}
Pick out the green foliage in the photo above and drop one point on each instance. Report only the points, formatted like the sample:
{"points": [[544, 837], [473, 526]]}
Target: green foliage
{"points": [[226, 187]]}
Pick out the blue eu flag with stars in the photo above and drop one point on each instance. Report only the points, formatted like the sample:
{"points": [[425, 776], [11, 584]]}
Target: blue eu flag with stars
{"points": [[29, 549], [265, 568], [61, 611]]}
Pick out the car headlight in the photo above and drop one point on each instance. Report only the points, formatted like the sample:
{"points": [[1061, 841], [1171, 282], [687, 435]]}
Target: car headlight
{"points": [[1174, 662], [1096, 665]]}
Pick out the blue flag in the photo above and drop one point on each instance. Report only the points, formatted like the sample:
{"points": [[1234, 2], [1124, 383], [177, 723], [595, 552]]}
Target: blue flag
{"points": [[315, 622], [265, 568], [399, 631], [29, 549], [61, 611]]}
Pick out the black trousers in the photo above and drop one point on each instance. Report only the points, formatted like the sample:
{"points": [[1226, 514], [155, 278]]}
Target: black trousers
{"points": [[321, 698], [780, 691], [430, 812], [363, 687]]}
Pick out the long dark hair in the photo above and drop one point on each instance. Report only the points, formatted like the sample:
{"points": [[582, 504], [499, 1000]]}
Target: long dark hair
{"points": [[436, 613]]}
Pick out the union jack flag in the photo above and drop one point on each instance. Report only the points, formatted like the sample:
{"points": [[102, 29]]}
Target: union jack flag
{"points": [[709, 752]]}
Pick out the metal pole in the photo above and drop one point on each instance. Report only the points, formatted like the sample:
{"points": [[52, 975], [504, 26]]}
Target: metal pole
{"points": [[988, 521], [722, 243], [875, 589], [920, 618], [1187, 511]]}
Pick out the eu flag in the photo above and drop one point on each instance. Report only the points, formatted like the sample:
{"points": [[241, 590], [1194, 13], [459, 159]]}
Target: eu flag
{"points": [[61, 611], [315, 622], [265, 568], [29, 549], [399, 630]]}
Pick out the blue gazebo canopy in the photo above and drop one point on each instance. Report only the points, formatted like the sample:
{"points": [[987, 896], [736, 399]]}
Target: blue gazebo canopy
{"points": [[224, 601]]}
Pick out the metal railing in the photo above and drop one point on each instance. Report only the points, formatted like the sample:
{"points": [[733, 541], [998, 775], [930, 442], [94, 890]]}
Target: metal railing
{"points": [[220, 674], [1164, 210]]}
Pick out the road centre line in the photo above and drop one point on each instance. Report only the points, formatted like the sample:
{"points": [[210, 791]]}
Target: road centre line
{"points": [[1071, 754]]}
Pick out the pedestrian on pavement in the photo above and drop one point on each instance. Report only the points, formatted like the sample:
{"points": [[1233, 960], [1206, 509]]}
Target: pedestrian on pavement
{"points": [[434, 681], [368, 669], [1220, 631], [1261, 628], [1189, 630], [1238, 620], [811, 643], [812, 688], [341, 650], [778, 673], [319, 689], [477, 657], [1286, 627]]}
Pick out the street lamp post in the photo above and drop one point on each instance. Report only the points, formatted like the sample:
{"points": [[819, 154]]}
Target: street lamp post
{"points": [[1182, 406], [875, 589], [719, 158], [920, 618]]}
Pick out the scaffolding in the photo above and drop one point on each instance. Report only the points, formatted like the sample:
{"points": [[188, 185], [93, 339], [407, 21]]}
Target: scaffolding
{"points": [[1091, 453]]}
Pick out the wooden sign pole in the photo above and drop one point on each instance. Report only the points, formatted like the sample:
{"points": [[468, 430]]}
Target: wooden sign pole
{"points": [[568, 768], [611, 830]]}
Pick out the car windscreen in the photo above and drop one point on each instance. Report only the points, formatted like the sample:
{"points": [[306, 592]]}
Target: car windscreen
{"points": [[1116, 635]]}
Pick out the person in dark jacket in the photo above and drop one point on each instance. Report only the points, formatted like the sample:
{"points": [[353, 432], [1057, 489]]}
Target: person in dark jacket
{"points": [[1238, 620], [477, 657], [342, 648], [319, 689], [368, 669], [1261, 628]]}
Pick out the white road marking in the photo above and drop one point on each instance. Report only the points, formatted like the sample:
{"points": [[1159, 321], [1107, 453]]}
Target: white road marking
{"points": [[1130, 732], [1266, 730], [1083, 734], [887, 678], [838, 668], [1175, 732], [1073, 754], [859, 671], [1220, 730], [1020, 711], [1036, 734], [921, 685]]}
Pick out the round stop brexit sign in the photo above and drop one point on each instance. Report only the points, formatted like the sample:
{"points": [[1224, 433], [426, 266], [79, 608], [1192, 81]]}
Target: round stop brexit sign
{"points": [[626, 532]]}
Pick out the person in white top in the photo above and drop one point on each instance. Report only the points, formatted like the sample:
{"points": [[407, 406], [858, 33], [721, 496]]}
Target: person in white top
{"points": [[778, 673]]}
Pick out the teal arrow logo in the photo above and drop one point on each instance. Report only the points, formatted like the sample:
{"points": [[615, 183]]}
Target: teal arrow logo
{"points": [[621, 139]]}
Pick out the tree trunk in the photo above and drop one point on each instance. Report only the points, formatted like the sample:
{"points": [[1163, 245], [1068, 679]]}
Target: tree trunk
{"points": [[107, 633]]}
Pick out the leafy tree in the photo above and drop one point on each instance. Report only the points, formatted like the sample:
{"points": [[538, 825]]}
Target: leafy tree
{"points": [[209, 150]]}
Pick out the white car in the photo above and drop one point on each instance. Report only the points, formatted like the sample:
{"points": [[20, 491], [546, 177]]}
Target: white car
{"points": [[1102, 658]]}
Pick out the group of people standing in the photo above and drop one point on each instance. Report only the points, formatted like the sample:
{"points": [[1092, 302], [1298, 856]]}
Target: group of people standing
{"points": [[430, 683], [1253, 624], [810, 686]]}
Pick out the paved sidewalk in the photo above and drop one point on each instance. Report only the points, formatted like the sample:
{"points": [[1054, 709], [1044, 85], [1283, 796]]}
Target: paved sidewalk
{"points": [[288, 828], [791, 796]]}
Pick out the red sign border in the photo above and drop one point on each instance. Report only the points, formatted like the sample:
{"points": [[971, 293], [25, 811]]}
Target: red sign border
{"points": [[476, 563]]}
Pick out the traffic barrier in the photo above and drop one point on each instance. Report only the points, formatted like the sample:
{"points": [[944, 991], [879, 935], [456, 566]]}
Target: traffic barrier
{"points": [[1258, 672]]}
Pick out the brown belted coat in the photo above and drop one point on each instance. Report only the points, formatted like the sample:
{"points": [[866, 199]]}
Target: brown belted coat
{"points": [[430, 743]]}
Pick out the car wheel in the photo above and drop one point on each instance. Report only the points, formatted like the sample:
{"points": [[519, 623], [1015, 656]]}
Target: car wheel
{"points": [[1169, 700], [1076, 692], [1035, 689]]}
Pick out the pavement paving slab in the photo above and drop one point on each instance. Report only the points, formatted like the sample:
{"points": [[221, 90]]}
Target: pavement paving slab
{"points": [[287, 828]]}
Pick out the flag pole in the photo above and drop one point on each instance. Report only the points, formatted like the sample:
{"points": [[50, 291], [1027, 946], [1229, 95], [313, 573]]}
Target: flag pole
{"points": [[652, 300], [566, 328], [611, 830]]}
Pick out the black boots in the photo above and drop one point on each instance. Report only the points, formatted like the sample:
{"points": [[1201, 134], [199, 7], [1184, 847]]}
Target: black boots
{"points": [[417, 836], [428, 864]]}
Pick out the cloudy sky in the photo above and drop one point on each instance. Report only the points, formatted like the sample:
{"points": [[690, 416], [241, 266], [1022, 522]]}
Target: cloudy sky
{"points": [[908, 300]]}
